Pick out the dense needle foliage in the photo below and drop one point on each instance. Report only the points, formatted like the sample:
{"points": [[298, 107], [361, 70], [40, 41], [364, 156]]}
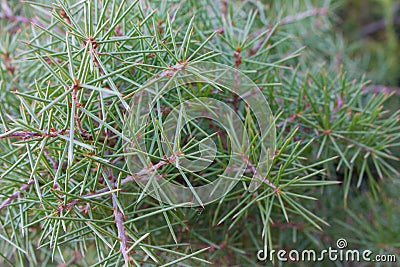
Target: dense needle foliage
{"points": [[69, 70]]}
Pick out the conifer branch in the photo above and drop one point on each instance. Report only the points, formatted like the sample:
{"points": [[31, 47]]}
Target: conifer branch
{"points": [[119, 222], [65, 87], [24, 188]]}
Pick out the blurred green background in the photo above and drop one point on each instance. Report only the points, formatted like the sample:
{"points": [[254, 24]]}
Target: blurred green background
{"points": [[372, 30], [374, 25]]}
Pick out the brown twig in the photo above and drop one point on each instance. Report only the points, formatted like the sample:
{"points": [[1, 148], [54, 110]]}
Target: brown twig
{"points": [[375, 26], [9, 15], [119, 222], [64, 15], [26, 135], [23, 135], [76, 88], [53, 162], [303, 15], [15, 195], [265, 180], [224, 8], [238, 62], [139, 175]]}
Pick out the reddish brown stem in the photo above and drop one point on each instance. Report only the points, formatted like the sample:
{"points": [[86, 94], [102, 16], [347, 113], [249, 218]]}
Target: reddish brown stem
{"points": [[128, 179], [119, 222], [15, 195], [265, 180], [52, 133], [303, 15]]}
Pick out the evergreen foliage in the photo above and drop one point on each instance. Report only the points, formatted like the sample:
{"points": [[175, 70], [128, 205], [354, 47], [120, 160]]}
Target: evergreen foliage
{"points": [[69, 70]]}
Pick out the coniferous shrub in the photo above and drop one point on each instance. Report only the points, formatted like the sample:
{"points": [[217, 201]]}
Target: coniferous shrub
{"points": [[70, 72]]}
